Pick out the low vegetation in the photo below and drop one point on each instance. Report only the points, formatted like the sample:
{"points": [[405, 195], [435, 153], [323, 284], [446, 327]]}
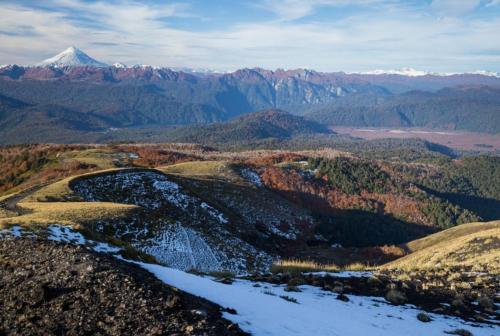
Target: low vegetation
{"points": [[475, 245], [300, 266], [76, 214]]}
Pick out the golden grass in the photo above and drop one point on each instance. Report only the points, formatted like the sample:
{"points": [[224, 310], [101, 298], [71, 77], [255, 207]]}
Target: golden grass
{"points": [[468, 245], [450, 234], [55, 191], [103, 158], [74, 214], [218, 170], [295, 266], [196, 168]]}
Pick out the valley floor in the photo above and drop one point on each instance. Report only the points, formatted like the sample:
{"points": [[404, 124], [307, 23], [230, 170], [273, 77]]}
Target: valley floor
{"points": [[460, 140]]}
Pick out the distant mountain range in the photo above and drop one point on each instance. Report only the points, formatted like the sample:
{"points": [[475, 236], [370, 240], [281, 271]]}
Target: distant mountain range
{"points": [[73, 92], [73, 56], [475, 108], [418, 73]]}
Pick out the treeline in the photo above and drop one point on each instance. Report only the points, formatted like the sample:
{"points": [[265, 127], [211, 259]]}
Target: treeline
{"points": [[473, 176], [471, 182]]}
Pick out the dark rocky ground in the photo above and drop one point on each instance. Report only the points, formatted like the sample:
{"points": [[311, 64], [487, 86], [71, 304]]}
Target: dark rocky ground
{"points": [[49, 288]]}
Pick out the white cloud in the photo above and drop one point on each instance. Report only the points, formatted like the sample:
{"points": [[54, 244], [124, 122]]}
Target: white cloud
{"points": [[133, 33]]}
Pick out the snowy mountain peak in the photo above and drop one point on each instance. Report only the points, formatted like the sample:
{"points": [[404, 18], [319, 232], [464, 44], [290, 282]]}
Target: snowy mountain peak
{"points": [[71, 57], [402, 72], [486, 73], [119, 65], [410, 72]]}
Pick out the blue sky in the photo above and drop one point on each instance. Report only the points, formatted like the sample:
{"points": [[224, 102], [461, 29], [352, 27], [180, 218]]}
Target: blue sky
{"points": [[326, 35]]}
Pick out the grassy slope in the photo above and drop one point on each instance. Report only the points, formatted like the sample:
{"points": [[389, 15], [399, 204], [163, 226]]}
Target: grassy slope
{"points": [[67, 213], [468, 244], [56, 202], [450, 234], [49, 163]]}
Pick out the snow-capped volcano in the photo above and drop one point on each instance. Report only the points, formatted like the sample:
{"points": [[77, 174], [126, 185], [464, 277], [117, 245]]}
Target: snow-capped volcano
{"points": [[72, 57]]}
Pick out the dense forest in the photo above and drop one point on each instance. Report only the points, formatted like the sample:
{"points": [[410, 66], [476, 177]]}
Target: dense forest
{"points": [[388, 202], [351, 176]]}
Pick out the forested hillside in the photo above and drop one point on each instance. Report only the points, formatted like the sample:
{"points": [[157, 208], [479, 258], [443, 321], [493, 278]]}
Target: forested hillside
{"points": [[461, 108], [142, 102]]}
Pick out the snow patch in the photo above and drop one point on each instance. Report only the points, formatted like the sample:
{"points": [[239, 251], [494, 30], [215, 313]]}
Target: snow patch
{"points": [[317, 312], [65, 234], [14, 231], [214, 213], [181, 248], [251, 176], [60, 233]]}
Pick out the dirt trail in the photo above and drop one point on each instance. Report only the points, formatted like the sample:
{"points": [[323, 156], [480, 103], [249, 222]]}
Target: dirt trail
{"points": [[9, 205]]}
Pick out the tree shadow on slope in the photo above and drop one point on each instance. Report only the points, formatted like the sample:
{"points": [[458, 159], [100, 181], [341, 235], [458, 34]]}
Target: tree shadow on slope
{"points": [[487, 208], [356, 227]]}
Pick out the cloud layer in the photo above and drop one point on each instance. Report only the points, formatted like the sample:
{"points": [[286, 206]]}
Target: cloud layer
{"points": [[327, 35]]}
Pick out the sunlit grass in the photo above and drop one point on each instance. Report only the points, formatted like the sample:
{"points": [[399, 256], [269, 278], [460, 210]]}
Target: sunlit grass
{"points": [[68, 213], [466, 245], [295, 265]]}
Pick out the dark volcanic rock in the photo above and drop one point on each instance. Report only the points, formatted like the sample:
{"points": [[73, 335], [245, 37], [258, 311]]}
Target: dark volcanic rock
{"points": [[49, 288]]}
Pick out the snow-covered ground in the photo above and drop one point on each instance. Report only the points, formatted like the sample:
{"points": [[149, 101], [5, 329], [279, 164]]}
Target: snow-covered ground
{"points": [[181, 248], [251, 176], [261, 310], [196, 239], [61, 233]]}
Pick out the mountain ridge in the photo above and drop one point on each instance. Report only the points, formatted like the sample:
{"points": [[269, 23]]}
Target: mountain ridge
{"points": [[73, 56]]}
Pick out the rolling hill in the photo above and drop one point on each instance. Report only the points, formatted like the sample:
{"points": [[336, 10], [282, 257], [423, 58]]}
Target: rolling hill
{"points": [[472, 244], [252, 127]]}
